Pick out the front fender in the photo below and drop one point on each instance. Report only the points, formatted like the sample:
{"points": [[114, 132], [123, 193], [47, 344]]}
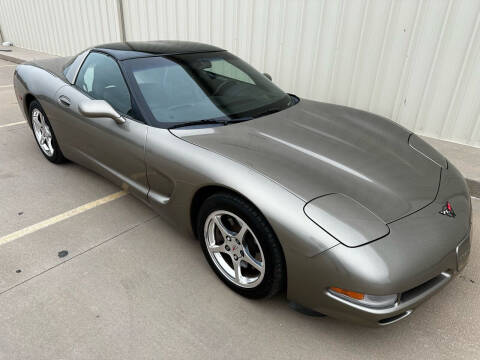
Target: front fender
{"points": [[177, 169]]}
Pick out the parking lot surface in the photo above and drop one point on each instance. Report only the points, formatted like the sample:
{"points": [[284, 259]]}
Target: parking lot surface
{"points": [[131, 287]]}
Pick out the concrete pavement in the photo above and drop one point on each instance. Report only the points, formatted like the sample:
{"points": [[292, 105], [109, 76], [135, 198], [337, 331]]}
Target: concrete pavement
{"points": [[131, 287]]}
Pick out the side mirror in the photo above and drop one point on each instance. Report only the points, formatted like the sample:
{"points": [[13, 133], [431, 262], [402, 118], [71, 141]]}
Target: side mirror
{"points": [[268, 76], [98, 109]]}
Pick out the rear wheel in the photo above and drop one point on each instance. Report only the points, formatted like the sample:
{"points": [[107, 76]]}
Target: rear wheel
{"points": [[43, 133], [240, 246]]}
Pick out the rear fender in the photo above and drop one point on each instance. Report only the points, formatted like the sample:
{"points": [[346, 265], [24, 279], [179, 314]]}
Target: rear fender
{"points": [[42, 85]]}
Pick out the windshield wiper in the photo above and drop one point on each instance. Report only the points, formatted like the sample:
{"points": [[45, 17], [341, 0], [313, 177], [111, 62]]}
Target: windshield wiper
{"points": [[222, 121], [197, 122]]}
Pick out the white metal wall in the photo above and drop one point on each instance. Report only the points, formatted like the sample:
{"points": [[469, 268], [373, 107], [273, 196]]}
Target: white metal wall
{"points": [[414, 61], [60, 27]]}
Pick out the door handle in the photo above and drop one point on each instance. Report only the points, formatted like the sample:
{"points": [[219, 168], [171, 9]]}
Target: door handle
{"points": [[64, 100]]}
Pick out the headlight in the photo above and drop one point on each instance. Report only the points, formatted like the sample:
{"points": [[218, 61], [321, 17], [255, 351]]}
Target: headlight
{"points": [[427, 150], [374, 301], [345, 219]]}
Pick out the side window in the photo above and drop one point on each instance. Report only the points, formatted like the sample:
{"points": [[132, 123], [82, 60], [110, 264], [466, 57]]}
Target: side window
{"points": [[72, 68], [100, 77], [224, 68]]}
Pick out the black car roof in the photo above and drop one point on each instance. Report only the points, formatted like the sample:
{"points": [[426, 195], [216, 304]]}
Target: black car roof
{"points": [[135, 49]]}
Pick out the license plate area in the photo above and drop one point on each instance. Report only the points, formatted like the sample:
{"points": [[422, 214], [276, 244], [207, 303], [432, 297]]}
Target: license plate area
{"points": [[463, 251]]}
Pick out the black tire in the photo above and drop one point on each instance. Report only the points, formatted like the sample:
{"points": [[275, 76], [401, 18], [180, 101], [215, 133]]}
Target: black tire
{"points": [[57, 156], [274, 274]]}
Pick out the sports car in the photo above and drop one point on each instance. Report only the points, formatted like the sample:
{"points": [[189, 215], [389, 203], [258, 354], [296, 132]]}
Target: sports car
{"points": [[346, 212]]}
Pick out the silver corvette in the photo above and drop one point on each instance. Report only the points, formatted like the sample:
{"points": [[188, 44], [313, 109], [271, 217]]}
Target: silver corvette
{"points": [[350, 214]]}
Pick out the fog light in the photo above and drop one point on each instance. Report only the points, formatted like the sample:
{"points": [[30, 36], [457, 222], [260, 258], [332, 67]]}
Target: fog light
{"points": [[376, 301]]}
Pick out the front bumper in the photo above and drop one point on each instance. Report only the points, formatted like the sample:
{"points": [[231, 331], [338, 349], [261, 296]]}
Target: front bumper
{"points": [[407, 300], [422, 253], [405, 305], [409, 297]]}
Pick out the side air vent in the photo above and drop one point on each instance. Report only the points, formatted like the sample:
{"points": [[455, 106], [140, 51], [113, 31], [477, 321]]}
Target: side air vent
{"points": [[395, 318], [422, 288]]}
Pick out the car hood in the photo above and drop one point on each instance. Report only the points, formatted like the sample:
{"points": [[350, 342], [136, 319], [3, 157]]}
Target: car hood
{"points": [[314, 149]]}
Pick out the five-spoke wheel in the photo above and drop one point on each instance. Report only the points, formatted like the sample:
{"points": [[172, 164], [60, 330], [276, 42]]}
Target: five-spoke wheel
{"points": [[234, 248], [43, 133], [240, 245]]}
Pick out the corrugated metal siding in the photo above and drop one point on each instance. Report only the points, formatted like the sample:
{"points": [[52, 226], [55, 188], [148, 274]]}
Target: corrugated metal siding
{"points": [[61, 27], [414, 61]]}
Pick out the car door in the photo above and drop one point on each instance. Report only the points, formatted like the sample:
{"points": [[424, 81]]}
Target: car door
{"points": [[117, 151]]}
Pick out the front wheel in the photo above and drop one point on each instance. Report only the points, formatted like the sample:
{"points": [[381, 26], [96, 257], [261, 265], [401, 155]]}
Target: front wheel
{"points": [[240, 246]]}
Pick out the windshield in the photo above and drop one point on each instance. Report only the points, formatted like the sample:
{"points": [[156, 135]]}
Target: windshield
{"points": [[198, 87]]}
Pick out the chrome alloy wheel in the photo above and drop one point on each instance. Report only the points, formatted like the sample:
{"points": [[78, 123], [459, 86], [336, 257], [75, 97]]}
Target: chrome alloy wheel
{"points": [[234, 249], [42, 132]]}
